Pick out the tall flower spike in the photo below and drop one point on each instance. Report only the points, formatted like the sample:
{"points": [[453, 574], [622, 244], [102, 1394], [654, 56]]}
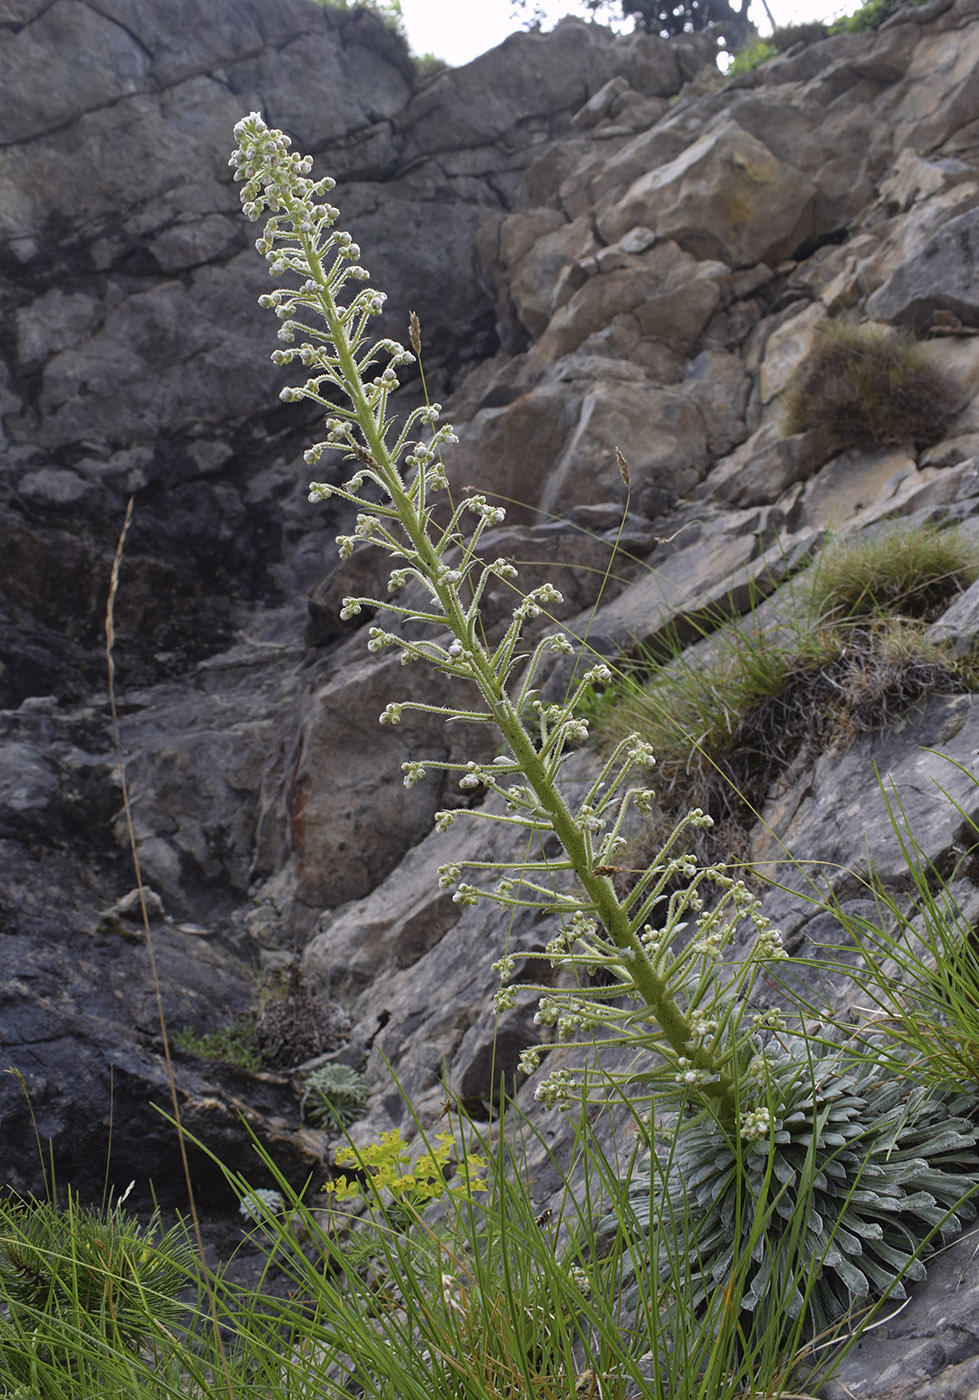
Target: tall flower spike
{"points": [[329, 310]]}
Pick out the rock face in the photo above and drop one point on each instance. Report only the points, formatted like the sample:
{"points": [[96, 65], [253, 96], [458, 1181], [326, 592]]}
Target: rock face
{"points": [[606, 251]]}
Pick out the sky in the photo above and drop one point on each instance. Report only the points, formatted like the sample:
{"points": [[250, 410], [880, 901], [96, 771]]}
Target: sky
{"points": [[458, 30]]}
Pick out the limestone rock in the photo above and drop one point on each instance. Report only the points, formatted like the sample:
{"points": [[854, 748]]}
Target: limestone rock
{"points": [[708, 566], [762, 467], [32, 109], [819, 813], [665, 293], [938, 100], [542, 277], [852, 486], [660, 433], [518, 443], [786, 348], [349, 830], [941, 277], [718, 384], [914, 179], [726, 197]]}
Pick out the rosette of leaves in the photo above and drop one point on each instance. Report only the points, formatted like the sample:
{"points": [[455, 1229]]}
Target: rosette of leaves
{"points": [[259, 1204], [858, 1176], [334, 1097], [90, 1270]]}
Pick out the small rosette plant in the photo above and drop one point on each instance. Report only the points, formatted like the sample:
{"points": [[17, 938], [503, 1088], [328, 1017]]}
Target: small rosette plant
{"points": [[334, 1096], [852, 1176]]}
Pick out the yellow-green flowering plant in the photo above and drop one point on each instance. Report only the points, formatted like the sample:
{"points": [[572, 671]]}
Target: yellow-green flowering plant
{"points": [[677, 1001], [393, 1175]]}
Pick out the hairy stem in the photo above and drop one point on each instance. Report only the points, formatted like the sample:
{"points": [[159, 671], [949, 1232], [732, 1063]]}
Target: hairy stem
{"points": [[601, 894]]}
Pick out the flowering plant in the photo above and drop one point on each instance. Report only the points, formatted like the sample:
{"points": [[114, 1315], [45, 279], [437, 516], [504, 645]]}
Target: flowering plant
{"points": [[734, 1186], [394, 1176], [676, 999]]}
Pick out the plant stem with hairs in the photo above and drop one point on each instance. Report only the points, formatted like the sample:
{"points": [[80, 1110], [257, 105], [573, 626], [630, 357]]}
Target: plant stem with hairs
{"points": [[342, 361]]}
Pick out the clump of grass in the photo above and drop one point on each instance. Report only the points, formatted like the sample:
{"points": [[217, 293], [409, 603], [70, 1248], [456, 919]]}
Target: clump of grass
{"points": [[234, 1044], [387, 10], [79, 1285], [849, 655], [721, 731], [867, 386], [497, 1297], [428, 66], [915, 573]]}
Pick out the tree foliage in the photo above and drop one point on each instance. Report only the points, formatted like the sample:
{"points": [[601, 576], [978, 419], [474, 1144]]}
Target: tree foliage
{"points": [[663, 17]]}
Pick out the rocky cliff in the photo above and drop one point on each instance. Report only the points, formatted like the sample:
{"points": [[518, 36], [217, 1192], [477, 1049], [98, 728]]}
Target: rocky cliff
{"points": [[609, 247]]}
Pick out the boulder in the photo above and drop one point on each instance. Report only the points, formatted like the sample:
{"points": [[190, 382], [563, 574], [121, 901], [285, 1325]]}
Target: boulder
{"points": [[854, 484], [509, 450], [922, 769], [486, 100], [33, 109], [660, 433], [763, 467], [938, 101], [351, 818], [538, 281], [725, 197], [940, 277], [786, 347], [666, 293], [718, 384]]}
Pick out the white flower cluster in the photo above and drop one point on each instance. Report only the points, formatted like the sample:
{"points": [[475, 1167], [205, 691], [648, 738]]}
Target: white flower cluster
{"points": [[505, 967], [273, 177], [559, 1090], [702, 1029], [768, 942], [690, 1077], [755, 1124]]}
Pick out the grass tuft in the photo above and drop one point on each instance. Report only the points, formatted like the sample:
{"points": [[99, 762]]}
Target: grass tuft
{"points": [[751, 58], [915, 573], [786, 36], [867, 386], [847, 654], [232, 1045]]}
